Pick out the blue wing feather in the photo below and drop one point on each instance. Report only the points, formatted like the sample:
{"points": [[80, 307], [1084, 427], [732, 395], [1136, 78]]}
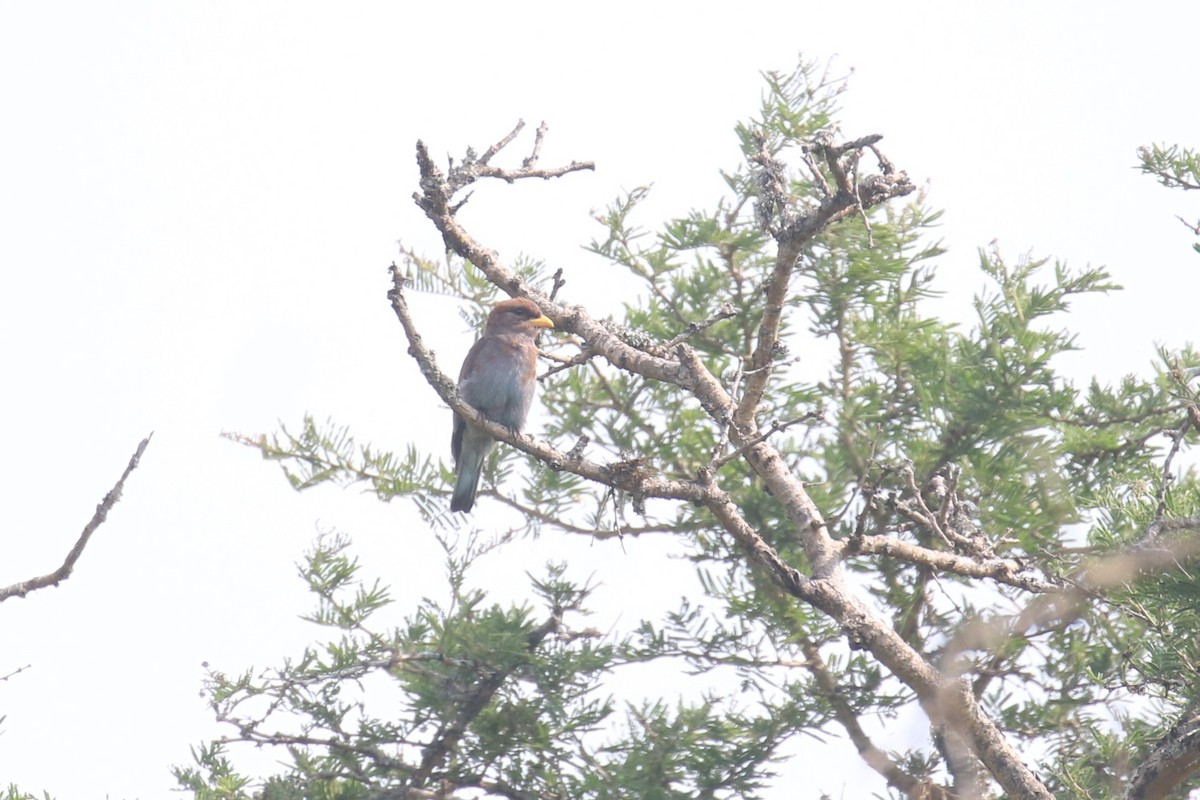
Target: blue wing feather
{"points": [[498, 379]]}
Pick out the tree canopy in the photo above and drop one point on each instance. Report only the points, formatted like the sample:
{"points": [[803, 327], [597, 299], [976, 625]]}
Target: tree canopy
{"points": [[890, 514]]}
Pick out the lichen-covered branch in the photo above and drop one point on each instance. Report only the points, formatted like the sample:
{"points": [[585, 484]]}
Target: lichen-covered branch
{"points": [[1008, 571], [1174, 758]]}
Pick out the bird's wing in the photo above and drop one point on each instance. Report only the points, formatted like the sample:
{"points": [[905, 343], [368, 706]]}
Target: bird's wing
{"points": [[498, 378]]}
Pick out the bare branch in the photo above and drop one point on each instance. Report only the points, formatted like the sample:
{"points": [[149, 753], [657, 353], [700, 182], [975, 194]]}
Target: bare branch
{"points": [[532, 159], [596, 533], [727, 311], [68, 566], [513, 175], [503, 143], [15, 672], [1164, 482], [558, 282], [775, 427], [1008, 571], [474, 167], [579, 359]]}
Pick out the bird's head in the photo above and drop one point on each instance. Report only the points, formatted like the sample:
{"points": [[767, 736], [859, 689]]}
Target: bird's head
{"points": [[519, 315]]}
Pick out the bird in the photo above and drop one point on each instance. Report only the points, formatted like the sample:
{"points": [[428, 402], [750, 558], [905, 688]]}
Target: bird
{"points": [[497, 379]]}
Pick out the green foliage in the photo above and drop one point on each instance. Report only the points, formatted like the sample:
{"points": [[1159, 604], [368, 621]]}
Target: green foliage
{"points": [[13, 793], [884, 408], [502, 696], [1175, 167]]}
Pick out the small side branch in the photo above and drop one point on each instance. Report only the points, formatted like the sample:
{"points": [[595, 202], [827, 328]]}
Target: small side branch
{"points": [[582, 357], [727, 310], [775, 427], [503, 143], [598, 533], [68, 566], [1164, 482], [14, 673], [474, 167]]}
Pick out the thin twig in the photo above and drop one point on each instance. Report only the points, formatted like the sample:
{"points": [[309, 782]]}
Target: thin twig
{"points": [[726, 311], [776, 427], [558, 283], [16, 671], [547, 519], [1165, 480], [862, 212], [473, 168], [926, 516], [818, 176], [538, 138], [580, 358], [714, 460], [846, 714], [500, 145]]}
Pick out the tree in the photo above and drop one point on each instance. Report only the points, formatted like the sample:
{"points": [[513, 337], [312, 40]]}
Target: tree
{"points": [[889, 514]]}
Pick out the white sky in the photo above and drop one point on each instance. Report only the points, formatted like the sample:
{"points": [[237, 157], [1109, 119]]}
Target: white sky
{"points": [[198, 201]]}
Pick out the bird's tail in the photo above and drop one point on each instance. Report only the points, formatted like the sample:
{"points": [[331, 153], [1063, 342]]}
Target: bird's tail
{"points": [[468, 481]]}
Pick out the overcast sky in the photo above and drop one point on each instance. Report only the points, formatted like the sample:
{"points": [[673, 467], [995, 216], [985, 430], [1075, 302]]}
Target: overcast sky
{"points": [[198, 201]]}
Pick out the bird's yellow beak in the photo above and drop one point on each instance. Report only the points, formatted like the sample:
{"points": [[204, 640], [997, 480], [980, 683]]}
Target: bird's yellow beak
{"points": [[542, 322]]}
